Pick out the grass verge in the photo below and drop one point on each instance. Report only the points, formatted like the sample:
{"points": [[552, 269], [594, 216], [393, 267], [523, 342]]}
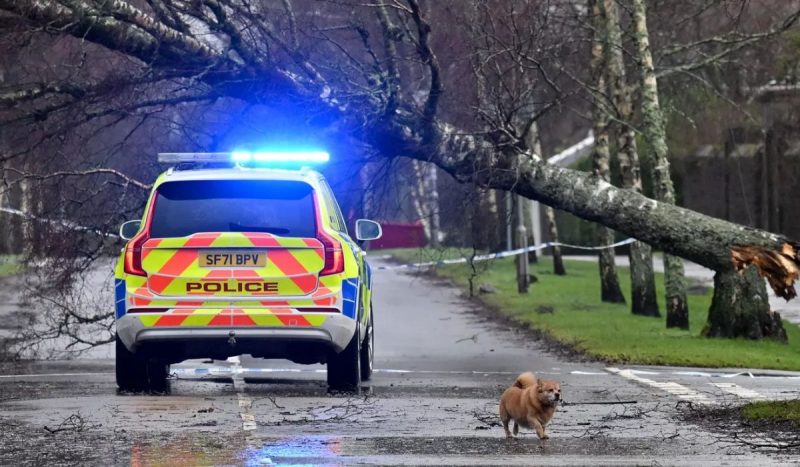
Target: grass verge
{"points": [[773, 411], [9, 265], [568, 309]]}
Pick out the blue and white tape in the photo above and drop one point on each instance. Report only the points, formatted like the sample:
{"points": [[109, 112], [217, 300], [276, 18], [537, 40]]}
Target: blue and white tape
{"points": [[504, 254]]}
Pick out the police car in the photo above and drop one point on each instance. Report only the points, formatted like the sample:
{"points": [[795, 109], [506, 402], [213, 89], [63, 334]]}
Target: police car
{"points": [[233, 258]]}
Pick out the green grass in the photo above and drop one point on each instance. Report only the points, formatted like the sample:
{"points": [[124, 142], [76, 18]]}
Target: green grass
{"points": [[608, 331], [9, 265], [773, 411]]}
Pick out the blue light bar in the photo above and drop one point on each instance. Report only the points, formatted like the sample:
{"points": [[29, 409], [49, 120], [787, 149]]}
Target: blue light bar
{"points": [[316, 157], [246, 157]]}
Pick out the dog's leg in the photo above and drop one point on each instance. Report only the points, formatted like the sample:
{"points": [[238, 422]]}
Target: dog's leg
{"points": [[516, 428], [505, 418], [534, 422]]}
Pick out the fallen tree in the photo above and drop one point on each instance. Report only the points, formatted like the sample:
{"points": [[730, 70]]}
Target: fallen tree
{"points": [[252, 59]]}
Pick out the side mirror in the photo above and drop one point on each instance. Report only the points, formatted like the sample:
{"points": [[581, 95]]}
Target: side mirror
{"points": [[129, 229], [368, 230]]}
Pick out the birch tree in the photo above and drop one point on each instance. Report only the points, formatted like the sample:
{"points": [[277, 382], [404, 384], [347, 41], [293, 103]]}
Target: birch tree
{"points": [[535, 144], [610, 290], [643, 283], [654, 130]]}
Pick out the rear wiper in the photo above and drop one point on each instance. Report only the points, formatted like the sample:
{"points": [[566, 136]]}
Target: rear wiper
{"points": [[251, 228]]}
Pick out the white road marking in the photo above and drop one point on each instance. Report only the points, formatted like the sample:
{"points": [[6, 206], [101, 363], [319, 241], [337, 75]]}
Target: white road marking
{"points": [[245, 403], [739, 391], [52, 375], [678, 390]]}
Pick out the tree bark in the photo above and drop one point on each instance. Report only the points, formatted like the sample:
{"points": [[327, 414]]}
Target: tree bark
{"points": [[610, 290], [534, 143], [423, 199], [663, 190], [640, 255], [737, 309], [558, 261]]}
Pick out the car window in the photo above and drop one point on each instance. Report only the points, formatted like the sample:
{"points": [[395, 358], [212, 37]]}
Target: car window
{"points": [[337, 221], [279, 207]]}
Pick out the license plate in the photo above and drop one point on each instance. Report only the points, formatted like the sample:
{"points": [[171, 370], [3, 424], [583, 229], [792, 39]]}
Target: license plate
{"points": [[233, 259]]}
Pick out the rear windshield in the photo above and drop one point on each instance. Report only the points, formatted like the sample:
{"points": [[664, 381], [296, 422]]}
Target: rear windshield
{"points": [[282, 208]]}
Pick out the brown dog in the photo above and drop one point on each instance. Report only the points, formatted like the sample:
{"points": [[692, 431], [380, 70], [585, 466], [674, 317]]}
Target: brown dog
{"points": [[530, 402]]}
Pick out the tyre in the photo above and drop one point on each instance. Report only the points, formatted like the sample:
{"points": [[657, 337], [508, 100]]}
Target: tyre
{"points": [[368, 350], [344, 368], [131, 370], [157, 373]]}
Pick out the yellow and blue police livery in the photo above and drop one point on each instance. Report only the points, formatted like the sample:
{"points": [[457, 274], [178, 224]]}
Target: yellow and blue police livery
{"points": [[233, 256]]}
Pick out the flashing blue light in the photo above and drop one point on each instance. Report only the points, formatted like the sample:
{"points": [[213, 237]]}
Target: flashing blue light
{"points": [[315, 157], [241, 156]]}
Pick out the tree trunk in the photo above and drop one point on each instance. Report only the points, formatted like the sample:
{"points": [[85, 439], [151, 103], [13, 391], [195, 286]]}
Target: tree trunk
{"points": [[558, 262], [610, 290], [424, 199], [432, 201], [740, 308], [663, 190], [522, 242], [640, 255], [26, 205], [534, 143]]}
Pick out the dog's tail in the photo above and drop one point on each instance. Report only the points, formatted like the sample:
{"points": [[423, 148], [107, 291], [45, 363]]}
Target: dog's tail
{"points": [[525, 380]]}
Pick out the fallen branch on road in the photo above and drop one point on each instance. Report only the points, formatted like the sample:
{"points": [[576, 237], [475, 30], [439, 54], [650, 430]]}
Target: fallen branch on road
{"points": [[74, 422]]}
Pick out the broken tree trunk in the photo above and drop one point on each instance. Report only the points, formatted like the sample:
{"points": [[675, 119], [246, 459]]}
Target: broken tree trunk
{"points": [[640, 255], [737, 308], [610, 290], [663, 190]]}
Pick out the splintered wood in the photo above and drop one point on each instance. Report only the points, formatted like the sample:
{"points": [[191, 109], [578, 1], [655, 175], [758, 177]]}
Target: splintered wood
{"points": [[780, 268]]}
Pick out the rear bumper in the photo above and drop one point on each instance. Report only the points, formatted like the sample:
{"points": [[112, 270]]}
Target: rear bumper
{"points": [[334, 333]]}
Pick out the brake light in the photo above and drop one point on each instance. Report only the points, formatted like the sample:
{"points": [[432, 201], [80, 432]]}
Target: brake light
{"points": [[133, 254], [334, 259], [133, 250]]}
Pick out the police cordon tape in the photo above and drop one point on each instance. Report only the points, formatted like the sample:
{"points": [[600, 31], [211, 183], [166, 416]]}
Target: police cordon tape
{"points": [[504, 254], [441, 262]]}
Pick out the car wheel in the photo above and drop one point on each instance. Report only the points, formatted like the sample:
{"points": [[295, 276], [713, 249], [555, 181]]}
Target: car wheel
{"points": [[157, 373], [344, 368], [368, 350], [131, 370]]}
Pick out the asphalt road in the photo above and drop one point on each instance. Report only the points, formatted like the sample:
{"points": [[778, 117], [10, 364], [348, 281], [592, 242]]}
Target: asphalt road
{"points": [[442, 366]]}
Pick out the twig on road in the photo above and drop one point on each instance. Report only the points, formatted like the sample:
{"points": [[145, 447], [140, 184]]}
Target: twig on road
{"points": [[74, 422], [487, 418], [473, 338]]}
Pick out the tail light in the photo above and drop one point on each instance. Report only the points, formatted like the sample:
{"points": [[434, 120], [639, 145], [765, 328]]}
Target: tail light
{"points": [[334, 259], [133, 253], [133, 250]]}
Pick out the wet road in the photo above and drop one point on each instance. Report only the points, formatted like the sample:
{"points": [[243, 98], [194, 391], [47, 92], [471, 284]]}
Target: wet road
{"points": [[433, 401]]}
